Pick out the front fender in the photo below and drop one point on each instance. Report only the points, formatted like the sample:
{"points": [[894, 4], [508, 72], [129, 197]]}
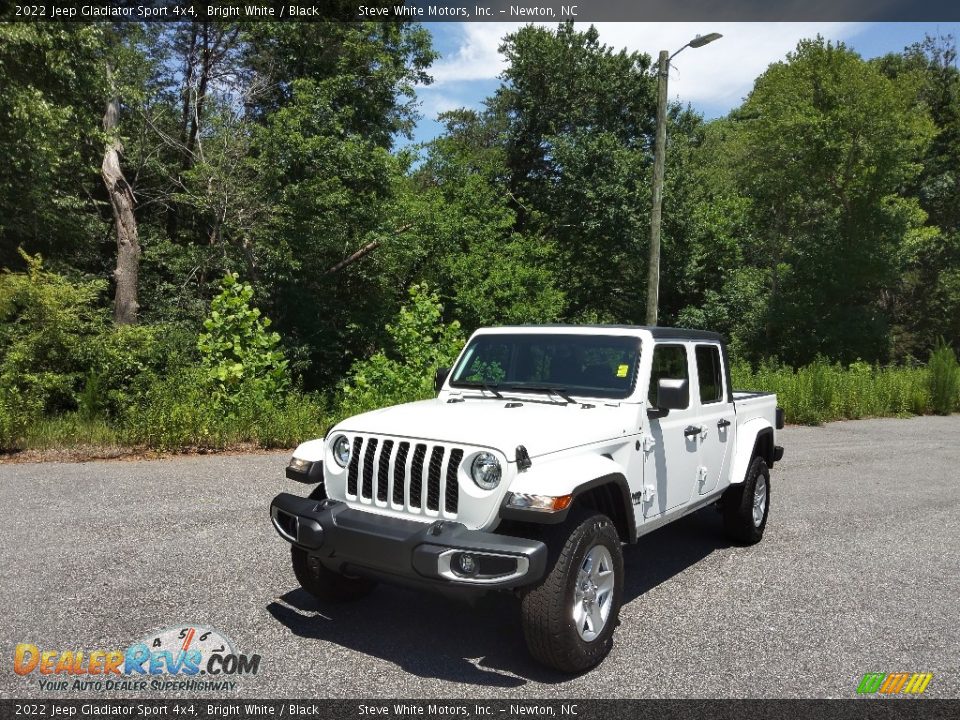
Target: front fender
{"points": [[747, 435], [312, 450], [570, 476], [563, 476]]}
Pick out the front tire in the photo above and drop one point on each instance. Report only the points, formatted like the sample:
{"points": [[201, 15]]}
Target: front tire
{"points": [[569, 619], [747, 505], [325, 584]]}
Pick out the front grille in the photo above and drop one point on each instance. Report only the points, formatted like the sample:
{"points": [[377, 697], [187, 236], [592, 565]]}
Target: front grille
{"points": [[415, 476]]}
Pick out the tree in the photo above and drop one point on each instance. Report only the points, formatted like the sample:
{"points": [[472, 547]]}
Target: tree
{"points": [[420, 343], [236, 346], [50, 106], [470, 248], [578, 121], [823, 145], [926, 305], [122, 202]]}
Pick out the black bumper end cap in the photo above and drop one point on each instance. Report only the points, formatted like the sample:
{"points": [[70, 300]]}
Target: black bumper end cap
{"points": [[298, 520], [311, 476]]}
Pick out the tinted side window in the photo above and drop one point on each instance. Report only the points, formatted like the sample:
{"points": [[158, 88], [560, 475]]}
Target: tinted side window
{"points": [[669, 362], [708, 372]]}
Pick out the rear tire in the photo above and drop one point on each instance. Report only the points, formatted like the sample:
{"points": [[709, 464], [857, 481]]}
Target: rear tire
{"points": [[325, 584], [747, 505], [569, 619]]}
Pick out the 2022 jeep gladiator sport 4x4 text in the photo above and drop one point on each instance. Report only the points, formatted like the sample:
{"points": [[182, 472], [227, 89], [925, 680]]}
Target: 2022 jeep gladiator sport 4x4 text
{"points": [[546, 448]]}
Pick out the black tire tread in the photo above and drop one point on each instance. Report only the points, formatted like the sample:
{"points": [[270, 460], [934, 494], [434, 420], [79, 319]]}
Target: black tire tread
{"points": [[738, 506], [544, 608]]}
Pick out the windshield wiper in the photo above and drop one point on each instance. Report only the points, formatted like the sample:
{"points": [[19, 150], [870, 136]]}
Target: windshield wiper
{"points": [[553, 389], [483, 385]]}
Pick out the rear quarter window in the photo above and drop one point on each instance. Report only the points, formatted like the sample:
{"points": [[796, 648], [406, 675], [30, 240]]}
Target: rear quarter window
{"points": [[709, 374]]}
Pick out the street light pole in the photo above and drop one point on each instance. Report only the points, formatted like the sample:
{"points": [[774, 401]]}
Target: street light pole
{"points": [[659, 153]]}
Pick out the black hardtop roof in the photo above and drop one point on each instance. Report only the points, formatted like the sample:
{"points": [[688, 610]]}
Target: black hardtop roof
{"points": [[658, 332]]}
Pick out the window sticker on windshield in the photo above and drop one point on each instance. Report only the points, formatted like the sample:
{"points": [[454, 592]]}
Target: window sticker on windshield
{"points": [[622, 370]]}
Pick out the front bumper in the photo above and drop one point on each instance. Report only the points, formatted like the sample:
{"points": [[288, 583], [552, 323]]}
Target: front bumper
{"points": [[356, 542]]}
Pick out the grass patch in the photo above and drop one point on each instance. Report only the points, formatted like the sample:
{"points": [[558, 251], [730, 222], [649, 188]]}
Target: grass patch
{"points": [[821, 392], [67, 431]]}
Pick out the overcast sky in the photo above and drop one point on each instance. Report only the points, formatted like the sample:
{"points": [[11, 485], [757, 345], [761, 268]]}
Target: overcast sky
{"points": [[713, 79]]}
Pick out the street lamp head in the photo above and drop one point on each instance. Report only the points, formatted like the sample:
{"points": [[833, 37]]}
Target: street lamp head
{"points": [[701, 40]]}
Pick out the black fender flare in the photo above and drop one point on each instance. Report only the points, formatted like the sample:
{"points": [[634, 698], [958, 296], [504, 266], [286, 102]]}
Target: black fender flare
{"points": [[618, 480]]}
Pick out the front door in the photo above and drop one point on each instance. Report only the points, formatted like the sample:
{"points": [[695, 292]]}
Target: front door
{"points": [[716, 417], [672, 460]]}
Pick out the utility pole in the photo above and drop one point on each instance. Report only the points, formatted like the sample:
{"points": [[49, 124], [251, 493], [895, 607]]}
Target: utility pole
{"points": [[659, 157], [659, 150]]}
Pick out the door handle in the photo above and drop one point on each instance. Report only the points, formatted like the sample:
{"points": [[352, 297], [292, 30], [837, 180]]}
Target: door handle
{"points": [[692, 430], [723, 424]]}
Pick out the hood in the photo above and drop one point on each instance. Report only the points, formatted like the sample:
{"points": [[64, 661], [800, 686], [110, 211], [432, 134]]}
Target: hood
{"points": [[540, 427]]}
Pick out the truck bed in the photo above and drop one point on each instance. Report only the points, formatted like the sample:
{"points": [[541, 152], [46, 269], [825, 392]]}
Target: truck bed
{"points": [[750, 405]]}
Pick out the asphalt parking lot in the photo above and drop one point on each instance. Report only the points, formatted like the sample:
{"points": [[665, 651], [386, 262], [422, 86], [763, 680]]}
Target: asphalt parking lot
{"points": [[859, 572]]}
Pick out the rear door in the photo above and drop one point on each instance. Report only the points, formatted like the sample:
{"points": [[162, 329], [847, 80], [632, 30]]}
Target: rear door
{"points": [[716, 417], [671, 465]]}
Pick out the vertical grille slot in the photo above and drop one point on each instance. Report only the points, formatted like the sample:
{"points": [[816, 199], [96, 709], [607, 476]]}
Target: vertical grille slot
{"points": [[451, 499], [379, 472], [383, 470], [433, 479], [354, 464], [367, 491], [400, 472], [416, 475]]}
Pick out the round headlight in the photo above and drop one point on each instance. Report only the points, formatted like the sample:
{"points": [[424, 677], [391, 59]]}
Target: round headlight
{"points": [[341, 450], [485, 470]]}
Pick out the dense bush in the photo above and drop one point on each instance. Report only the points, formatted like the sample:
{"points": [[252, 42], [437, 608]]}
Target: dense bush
{"points": [[944, 379], [237, 393], [47, 325], [821, 391], [70, 378], [179, 413], [237, 349], [421, 343]]}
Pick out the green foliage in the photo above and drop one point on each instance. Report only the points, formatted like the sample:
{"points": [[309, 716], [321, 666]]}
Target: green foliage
{"points": [[823, 145], [70, 431], [177, 414], [818, 223], [822, 392], [944, 379], [578, 121], [237, 349], [52, 75], [421, 343], [126, 359], [48, 327]]}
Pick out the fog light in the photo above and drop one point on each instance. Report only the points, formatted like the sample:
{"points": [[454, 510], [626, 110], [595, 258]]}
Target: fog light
{"points": [[465, 565]]}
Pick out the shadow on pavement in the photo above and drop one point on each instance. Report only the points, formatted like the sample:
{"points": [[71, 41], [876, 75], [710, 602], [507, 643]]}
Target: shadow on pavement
{"points": [[666, 552], [479, 643]]}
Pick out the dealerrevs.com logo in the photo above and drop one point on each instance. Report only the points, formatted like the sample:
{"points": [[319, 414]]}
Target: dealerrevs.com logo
{"points": [[894, 683], [187, 657]]}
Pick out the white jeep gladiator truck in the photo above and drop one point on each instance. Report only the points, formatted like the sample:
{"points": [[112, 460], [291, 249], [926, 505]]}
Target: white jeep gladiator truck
{"points": [[546, 449]]}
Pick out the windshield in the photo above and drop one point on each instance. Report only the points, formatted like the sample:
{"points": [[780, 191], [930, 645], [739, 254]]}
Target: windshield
{"points": [[593, 365]]}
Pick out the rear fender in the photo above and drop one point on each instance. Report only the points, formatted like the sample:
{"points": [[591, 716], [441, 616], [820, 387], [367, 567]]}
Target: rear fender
{"points": [[753, 437]]}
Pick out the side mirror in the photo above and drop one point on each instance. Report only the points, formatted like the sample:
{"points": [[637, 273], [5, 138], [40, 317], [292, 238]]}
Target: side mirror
{"points": [[440, 377], [673, 394]]}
